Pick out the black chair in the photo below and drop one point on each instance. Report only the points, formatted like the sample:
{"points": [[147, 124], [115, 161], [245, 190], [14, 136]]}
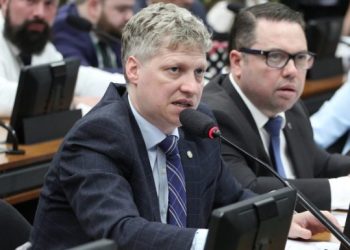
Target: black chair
{"points": [[15, 229]]}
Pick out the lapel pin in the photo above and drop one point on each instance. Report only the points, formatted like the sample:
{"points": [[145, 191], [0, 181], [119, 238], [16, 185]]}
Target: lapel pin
{"points": [[189, 154]]}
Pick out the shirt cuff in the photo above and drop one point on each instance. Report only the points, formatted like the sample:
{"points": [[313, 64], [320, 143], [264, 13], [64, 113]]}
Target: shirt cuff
{"points": [[199, 239], [340, 192]]}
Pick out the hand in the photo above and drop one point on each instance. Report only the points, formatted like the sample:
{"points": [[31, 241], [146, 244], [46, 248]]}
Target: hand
{"points": [[304, 225]]}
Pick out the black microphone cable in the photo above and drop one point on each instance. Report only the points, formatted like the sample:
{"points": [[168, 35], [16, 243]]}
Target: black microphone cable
{"points": [[13, 136]]}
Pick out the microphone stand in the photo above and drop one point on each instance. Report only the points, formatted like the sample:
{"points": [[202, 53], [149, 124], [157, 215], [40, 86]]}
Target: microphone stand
{"points": [[308, 205], [12, 133]]}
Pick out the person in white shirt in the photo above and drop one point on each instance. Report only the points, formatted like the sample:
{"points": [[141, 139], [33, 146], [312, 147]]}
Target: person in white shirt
{"points": [[25, 27]]}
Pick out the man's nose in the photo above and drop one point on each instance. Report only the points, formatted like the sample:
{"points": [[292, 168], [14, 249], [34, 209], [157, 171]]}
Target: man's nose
{"points": [[290, 67], [39, 9], [190, 84]]}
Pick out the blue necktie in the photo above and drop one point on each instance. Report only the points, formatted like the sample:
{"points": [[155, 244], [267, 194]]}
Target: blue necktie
{"points": [[176, 182], [273, 127]]}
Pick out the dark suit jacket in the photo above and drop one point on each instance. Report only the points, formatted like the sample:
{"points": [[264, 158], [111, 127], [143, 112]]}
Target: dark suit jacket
{"points": [[100, 185], [312, 165], [72, 42]]}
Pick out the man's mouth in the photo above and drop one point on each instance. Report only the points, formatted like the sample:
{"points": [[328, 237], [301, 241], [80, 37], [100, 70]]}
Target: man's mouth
{"points": [[37, 27], [183, 104]]}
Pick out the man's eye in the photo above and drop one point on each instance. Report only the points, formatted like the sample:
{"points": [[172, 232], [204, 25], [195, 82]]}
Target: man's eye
{"points": [[199, 72], [174, 69], [301, 57], [277, 56]]}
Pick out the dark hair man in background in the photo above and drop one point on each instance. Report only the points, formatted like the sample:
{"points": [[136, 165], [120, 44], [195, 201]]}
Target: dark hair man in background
{"points": [[269, 59]]}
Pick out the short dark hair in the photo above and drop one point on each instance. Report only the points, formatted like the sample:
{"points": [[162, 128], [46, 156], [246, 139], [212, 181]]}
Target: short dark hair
{"points": [[243, 30]]}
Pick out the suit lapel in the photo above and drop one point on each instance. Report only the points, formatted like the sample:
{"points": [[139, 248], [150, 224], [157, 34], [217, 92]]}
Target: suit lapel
{"points": [[241, 112], [142, 153], [295, 149], [192, 169]]}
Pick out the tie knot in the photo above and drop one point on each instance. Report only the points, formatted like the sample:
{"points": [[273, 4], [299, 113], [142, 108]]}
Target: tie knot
{"points": [[169, 145], [273, 126]]}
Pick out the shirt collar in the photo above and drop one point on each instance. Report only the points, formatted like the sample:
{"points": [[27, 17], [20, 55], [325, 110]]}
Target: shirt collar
{"points": [[259, 117], [150, 133]]}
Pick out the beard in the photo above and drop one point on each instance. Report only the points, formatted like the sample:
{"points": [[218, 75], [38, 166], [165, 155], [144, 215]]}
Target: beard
{"points": [[26, 40], [105, 25]]}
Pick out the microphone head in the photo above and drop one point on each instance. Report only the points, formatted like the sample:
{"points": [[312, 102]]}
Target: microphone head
{"points": [[79, 23], [199, 124], [235, 7]]}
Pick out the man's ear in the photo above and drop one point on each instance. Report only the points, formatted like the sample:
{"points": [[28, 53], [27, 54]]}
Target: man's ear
{"points": [[132, 69], [3, 6], [236, 60]]}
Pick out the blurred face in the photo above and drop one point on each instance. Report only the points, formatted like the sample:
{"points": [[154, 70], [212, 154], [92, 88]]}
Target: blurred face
{"points": [[161, 87], [28, 22], [271, 90], [115, 14]]}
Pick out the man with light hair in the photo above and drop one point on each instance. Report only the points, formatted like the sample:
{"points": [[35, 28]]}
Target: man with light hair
{"points": [[128, 171]]}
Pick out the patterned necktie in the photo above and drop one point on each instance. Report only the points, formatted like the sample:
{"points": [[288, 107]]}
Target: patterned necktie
{"points": [[273, 127], [177, 211]]}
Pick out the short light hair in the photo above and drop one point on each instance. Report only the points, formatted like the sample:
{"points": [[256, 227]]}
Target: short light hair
{"points": [[159, 26], [243, 32]]}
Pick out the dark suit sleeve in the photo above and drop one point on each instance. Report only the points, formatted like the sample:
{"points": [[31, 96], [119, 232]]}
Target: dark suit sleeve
{"points": [[103, 202], [326, 165], [97, 188], [96, 181]]}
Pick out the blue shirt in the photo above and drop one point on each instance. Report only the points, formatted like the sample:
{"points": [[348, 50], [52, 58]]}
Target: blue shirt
{"points": [[333, 119], [152, 137]]}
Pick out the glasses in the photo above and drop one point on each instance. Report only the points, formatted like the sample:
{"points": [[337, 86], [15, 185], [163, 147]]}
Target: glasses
{"points": [[278, 58]]}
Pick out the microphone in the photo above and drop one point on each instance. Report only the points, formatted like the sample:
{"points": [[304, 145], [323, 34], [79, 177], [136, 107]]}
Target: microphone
{"points": [[235, 7], [201, 125], [85, 25], [13, 136]]}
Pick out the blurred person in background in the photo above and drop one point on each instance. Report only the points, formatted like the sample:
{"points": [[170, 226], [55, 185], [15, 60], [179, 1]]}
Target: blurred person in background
{"points": [[25, 28], [100, 46]]}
